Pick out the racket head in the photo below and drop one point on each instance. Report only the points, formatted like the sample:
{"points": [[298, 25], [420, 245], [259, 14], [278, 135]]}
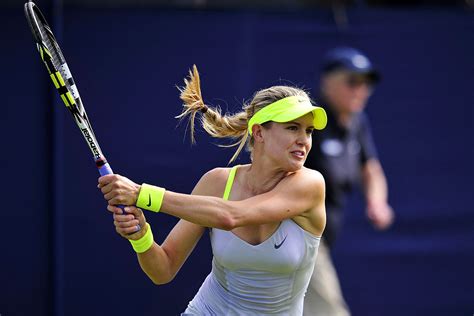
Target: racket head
{"points": [[61, 75]]}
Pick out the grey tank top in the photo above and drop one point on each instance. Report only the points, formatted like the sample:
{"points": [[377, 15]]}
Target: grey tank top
{"points": [[270, 278]]}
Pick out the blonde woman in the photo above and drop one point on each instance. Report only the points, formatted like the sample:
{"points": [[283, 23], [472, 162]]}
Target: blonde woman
{"points": [[265, 218]]}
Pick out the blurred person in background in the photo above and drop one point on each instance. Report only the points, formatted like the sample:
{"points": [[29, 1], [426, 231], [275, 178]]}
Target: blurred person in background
{"points": [[346, 156]]}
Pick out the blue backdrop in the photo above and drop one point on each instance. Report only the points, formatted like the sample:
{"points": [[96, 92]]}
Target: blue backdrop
{"points": [[60, 254]]}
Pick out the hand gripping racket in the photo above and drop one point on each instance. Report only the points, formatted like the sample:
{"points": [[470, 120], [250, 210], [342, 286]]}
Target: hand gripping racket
{"points": [[62, 79]]}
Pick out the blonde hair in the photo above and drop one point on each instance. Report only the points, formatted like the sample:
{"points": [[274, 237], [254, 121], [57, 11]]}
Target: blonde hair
{"points": [[232, 126]]}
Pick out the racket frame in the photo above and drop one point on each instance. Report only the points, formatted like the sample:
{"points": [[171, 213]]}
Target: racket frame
{"points": [[61, 76]]}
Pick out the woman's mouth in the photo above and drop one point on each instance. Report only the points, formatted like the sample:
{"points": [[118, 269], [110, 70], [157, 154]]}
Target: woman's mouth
{"points": [[298, 154]]}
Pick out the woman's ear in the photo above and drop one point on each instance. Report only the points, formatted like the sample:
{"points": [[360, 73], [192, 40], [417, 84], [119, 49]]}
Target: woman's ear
{"points": [[257, 133]]}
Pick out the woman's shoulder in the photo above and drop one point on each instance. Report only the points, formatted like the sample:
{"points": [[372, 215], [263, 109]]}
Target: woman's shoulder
{"points": [[315, 176], [308, 176], [216, 174], [305, 181], [221, 173], [213, 181]]}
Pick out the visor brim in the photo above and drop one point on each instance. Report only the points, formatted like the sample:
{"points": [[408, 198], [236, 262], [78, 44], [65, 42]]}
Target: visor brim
{"points": [[319, 116]]}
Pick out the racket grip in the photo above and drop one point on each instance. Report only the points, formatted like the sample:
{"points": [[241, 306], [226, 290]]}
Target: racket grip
{"points": [[105, 169]]}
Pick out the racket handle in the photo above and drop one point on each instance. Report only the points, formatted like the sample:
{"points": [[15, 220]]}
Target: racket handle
{"points": [[105, 169]]}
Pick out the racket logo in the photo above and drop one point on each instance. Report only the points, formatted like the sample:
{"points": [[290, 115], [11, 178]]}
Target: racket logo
{"points": [[91, 142], [149, 200]]}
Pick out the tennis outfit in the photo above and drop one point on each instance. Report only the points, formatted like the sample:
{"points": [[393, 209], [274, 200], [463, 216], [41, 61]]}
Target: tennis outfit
{"points": [[270, 278]]}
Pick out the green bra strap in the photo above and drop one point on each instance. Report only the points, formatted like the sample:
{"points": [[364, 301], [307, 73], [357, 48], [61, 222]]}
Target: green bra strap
{"points": [[230, 181]]}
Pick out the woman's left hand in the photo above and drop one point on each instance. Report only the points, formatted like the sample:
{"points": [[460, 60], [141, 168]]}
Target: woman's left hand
{"points": [[129, 224], [119, 190]]}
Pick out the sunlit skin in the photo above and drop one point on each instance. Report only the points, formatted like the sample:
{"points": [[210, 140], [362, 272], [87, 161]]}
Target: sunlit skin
{"points": [[280, 149], [285, 145], [347, 92], [279, 152]]}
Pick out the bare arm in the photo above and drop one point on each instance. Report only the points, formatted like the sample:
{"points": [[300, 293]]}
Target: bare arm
{"points": [[376, 194], [162, 262], [375, 183], [300, 195]]}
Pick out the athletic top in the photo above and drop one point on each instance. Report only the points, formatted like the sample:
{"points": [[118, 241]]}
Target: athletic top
{"points": [[265, 279]]}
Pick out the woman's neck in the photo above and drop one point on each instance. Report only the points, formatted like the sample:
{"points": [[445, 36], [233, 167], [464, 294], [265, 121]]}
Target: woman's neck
{"points": [[258, 178]]}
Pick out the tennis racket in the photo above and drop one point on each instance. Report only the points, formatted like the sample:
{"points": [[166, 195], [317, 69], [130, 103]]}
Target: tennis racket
{"points": [[61, 76]]}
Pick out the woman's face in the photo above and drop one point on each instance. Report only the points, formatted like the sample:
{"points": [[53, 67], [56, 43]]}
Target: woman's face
{"points": [[288, 144]]}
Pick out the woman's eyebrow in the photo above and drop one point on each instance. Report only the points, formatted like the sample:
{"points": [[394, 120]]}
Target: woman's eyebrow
{"points": [[299, 124], [292, 122]]}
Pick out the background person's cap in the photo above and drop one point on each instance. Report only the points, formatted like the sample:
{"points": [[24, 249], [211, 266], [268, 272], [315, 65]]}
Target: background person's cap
{"points": [[349, 59]]}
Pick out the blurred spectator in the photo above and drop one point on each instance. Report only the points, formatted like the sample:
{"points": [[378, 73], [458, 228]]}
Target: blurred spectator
{"points": [[345, 154]]}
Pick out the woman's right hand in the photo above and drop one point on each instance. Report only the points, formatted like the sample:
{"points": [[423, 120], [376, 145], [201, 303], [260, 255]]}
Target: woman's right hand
{"points": [[129, 224]]}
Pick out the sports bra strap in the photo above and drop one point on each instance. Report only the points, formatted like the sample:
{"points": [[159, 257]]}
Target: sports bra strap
{"points": [[230, 182]]}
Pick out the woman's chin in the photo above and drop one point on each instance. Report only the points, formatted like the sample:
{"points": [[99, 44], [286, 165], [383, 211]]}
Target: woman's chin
{"points": [[295, 166]]}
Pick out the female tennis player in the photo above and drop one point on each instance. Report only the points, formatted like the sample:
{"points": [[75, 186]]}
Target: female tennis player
{"points": [[266, 218]]}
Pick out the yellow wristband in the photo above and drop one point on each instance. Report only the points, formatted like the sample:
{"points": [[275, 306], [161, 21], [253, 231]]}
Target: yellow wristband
{"points": [[143, 244], [150, 197]]}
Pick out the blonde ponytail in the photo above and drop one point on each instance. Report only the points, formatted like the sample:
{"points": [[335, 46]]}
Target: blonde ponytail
{"points": [[228, 126], [212, 120]]}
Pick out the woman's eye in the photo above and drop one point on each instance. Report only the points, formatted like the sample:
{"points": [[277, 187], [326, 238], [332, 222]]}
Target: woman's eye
{"points": [[292, 128]]}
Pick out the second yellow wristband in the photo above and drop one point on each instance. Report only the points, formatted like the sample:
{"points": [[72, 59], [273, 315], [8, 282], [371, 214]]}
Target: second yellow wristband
{"points": [[143, 244], [150, 197]]}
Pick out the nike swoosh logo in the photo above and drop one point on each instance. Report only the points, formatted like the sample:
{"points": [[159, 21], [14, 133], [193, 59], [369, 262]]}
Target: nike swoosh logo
{"points": [[279, 245], [149, 200]]}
